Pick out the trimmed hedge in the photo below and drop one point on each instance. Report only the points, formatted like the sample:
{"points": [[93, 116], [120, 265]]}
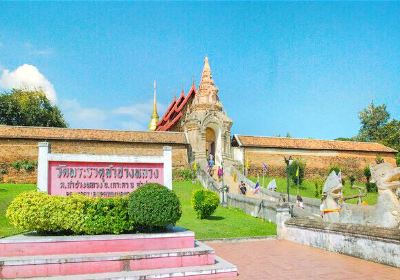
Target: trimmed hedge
{"points": [[204, 202], [149, 207], [75, 214], [153, 207]]}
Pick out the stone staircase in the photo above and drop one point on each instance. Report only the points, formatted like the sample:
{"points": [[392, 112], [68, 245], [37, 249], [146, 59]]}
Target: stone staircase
{"points": [[174, 255]]}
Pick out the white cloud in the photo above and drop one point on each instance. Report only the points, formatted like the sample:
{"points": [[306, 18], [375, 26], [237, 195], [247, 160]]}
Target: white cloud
{"points": [[33, 50], [81, 117], [131, 117], [138, 113], [27, 76]]}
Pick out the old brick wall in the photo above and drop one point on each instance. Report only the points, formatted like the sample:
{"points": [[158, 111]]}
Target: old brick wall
{"points": [[317, 162], [12, 150]]}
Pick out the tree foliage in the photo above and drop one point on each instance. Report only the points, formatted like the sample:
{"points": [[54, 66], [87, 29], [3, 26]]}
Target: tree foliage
{"points": [[373, 120], [377, 126], [293, 170], [29, 108]]}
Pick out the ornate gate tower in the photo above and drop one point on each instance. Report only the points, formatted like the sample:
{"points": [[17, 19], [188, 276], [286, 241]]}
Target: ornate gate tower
{"points": [[207, 126], [201, 116]]}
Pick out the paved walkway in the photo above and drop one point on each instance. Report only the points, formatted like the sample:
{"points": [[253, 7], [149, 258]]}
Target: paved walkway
{"points": [[279, 259], [234, 186]]}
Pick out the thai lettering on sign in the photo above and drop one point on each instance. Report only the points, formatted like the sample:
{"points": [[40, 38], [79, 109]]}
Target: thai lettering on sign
{"points": [[101, 179]]}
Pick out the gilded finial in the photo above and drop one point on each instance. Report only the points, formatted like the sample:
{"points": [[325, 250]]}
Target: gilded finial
{"points": [[154, 117]]}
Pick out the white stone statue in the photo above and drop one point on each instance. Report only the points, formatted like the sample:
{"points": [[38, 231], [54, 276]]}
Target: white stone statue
{"points": [[386, 212], [387, 209], [332, 191]]}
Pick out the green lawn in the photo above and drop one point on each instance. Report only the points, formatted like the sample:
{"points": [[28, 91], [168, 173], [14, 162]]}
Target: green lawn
{"points": [[224, 223], [307, 189], [7, 193]]}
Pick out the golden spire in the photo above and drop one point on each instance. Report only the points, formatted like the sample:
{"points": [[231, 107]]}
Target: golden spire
{"points": [[154, 116]]}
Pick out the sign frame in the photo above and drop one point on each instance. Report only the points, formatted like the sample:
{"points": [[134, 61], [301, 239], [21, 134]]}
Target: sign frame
{"points": [[45, 156]]}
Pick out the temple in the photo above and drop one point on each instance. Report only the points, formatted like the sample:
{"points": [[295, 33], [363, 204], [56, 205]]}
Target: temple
{"points": [[200, 115]]}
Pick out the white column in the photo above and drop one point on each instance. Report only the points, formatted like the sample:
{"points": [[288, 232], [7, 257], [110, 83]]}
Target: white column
{"points": [[43, 166], [168, 167]]}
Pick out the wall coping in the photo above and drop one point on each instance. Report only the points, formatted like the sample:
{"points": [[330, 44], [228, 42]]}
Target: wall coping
{"points": [[82, 134], [34, 237], [384, 234]]}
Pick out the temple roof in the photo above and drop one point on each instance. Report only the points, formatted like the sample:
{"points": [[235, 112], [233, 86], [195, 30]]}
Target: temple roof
{"points": [[175, 111], [308, 144], [52, 133]]}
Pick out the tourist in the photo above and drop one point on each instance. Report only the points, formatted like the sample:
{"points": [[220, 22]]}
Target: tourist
{"points": [[242, 188], [211, 158], [211, 161], [299, 201], [220, 173]]}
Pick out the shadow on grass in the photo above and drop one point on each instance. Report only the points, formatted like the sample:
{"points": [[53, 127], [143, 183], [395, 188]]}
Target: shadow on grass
{"points": [[214, 218]]}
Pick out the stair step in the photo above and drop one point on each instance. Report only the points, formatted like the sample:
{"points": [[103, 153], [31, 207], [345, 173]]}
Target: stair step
{"points": [[30, 245], [69, 264], [220, 269]]}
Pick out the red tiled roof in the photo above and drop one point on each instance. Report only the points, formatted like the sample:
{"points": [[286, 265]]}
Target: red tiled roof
{"points": [[174, 111], [310, 144]]}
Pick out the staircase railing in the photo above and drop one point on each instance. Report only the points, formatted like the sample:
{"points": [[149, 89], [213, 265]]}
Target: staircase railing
{"points": [[209, 182]]}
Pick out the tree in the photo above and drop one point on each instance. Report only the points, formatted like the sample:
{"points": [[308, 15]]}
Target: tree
{"points": [[29, 108], [390, 134], [293, 171], [345, 139], [373, 120]]}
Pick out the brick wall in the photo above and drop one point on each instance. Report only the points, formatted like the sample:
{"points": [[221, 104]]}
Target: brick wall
{"points": [[317, 162], [12, 150]]}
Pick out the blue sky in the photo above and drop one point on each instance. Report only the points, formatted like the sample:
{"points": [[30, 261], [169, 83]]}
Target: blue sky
{"points": [[303, 68]]}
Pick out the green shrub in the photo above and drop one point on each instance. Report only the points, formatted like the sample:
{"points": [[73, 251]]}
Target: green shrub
{"points": [[153, 207], [398, 159], [108, 215], [36, 211], [352, 179], [24, 165], [204, 202], [76, 214], [293, 170], [335, 168], [371, 187], [316, 191], [379, 159], [187, 174], [3, 168], [367, 173]]}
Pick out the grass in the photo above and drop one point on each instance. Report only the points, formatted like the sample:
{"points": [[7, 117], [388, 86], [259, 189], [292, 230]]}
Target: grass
{"points": [[7, 193], [224, 223], [307, 189]]}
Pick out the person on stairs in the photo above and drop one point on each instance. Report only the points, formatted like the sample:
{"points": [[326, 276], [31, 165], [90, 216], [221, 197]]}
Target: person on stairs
{"points": [[242, 188]]}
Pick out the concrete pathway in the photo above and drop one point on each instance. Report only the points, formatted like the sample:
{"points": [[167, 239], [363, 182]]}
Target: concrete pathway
{"points": [[234, 186], [279, 259]]}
